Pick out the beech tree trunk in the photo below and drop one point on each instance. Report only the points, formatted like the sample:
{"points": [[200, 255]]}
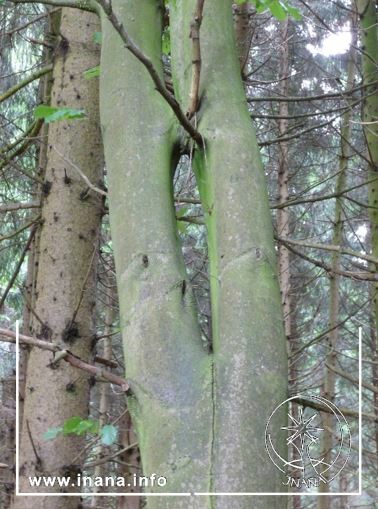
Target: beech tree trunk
{"points": [[64, 301], [200, 417]]}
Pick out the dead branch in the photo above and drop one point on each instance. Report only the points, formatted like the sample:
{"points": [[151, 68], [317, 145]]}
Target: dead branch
{"points": [[159, 84], [195, 26], [10, 337]]}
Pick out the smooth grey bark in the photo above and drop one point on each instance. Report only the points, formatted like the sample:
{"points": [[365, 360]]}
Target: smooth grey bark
{"points": [[167, 368], [200, 418], [250, 368]]}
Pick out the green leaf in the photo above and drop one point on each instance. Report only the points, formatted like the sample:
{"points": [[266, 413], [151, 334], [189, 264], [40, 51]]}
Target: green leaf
{"points": [[71, 425], [79, 426], [109, 434], [278, 11], [293, 12], [182, 227], [166, 41], [86, 426], [93, 72], [97, 37], [182, 211], [51, 114], [51, 433]]}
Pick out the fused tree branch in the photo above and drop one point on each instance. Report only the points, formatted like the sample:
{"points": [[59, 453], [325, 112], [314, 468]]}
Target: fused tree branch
{"points": [[159, 83], [195, 26]]}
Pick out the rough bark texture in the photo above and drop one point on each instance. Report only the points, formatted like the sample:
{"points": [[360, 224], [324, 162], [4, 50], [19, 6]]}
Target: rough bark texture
{"points": [[244, 28], [7, 434], [283, 220], [66, 274], [284, 229]]}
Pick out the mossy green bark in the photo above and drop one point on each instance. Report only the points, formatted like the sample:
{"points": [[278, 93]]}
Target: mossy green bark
{"points": [[249, 360], [166, 365], [200, 417]]}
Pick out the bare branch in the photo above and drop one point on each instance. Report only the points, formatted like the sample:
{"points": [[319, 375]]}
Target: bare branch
{"points": [[18, 266], [20, 230], [330, 247], [9, 336], [159, 83], [84, 5], [195, 26], [323, 408], [81, 173], [34, 76], [11, 207]]}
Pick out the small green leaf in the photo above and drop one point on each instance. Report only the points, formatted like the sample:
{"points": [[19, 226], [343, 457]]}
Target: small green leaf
{"points": [[97, 37], [71, 425], [94, 72], [51, 114], [182, 211], [278, 11], [293, 12], [182, 227], [86, 426], [51, 433], [109, 434], [166, 41]]}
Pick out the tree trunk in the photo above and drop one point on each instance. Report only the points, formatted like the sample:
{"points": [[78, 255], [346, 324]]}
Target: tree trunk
{"points": [[167, 368], [66, 275], [284, 228], [200, 417], [329, 387]]}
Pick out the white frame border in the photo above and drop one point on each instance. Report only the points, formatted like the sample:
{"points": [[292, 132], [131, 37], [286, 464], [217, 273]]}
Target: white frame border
{"points": [[200, 494]]}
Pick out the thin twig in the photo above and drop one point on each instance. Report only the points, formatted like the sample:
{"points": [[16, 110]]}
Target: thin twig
{"points": [[159, 84], [18, 266], [84, 285], [32, 443], [20, 230], [10, 337], [34, 76], [81, 173], [195, 26], [330, 247], [10, 207]]}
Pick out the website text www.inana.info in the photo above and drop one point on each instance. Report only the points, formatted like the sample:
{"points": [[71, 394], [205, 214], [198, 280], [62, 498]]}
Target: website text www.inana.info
{"points": [[79, 481]]}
